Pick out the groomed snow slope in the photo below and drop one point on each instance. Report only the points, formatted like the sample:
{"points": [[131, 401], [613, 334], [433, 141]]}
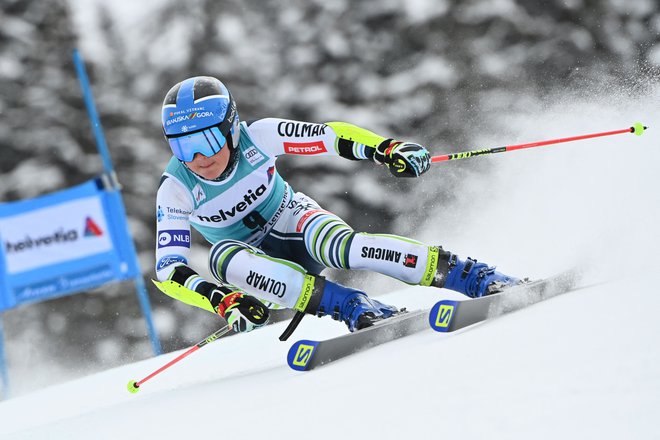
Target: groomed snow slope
{"points": [[583, 365]]}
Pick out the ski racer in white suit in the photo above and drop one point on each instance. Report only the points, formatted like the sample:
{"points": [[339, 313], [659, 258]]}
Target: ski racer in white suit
{"points": [[270, 243]]}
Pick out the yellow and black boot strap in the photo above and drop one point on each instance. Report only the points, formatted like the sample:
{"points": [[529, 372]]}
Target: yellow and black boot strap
{"points": [[446, 261], [310, 300]]}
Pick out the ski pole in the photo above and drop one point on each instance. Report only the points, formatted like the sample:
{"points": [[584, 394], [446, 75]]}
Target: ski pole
{"points": [[637, 129], [134, 385]]}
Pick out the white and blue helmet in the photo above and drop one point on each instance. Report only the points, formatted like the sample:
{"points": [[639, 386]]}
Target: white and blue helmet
{"points": [[200, 116]]}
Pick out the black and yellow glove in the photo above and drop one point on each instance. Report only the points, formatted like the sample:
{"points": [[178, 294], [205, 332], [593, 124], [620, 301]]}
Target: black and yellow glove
{"points": [[403, 159], [243, 312]]}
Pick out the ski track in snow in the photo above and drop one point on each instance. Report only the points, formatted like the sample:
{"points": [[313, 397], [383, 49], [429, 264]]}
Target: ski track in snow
{"points": [[584, 364]]}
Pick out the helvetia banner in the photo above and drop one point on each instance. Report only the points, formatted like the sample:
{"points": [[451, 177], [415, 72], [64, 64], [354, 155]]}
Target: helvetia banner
{"points": [[62, 243]]}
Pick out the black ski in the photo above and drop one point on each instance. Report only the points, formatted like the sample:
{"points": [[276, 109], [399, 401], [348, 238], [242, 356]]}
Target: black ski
{"points": [[449, 315], [306, 354]]}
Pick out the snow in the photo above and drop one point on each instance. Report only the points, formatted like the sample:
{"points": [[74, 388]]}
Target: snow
{"points": [[654, 53], [585, 364]]}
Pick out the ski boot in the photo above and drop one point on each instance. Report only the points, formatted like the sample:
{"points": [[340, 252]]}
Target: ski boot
{"points": [[351, 306], [470, 277]]}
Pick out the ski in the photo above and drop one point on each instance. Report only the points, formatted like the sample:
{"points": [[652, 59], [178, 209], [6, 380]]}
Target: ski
{"points": [[450, 315], [306, 355], [444, 316]]}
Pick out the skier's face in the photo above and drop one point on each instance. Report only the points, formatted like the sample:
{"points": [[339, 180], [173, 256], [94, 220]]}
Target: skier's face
{"points": [[210, 167]]}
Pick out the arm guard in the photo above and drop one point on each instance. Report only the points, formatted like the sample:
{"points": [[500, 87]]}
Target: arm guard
{"points": [[187, 286], [353, 142]]}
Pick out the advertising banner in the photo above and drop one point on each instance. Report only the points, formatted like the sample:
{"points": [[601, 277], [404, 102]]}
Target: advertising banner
{"points": [[62, 243]]}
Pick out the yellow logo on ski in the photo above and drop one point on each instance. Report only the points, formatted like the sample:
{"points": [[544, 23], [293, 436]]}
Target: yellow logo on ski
{"points": [[443, 318], [303, 355]]}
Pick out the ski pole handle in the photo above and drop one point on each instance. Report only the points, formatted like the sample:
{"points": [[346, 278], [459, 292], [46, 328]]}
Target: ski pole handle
{"points": [[133, 385], [637, 129]]}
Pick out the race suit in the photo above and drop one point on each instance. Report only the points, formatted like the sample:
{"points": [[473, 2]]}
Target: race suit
{"points": [[265, 237]]}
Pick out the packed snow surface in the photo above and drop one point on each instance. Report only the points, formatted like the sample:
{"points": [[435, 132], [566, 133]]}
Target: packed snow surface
{"points": [[582, 365]]}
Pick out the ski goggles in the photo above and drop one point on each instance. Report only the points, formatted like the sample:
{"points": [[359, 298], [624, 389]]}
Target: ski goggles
{"points": [[208, 142]]}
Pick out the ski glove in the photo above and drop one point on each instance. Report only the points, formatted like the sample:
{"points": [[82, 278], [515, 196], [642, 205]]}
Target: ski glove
{"points": [[243, 312], [403, 159]]}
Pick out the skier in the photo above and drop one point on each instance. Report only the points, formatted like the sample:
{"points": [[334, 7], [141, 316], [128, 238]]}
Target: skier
{"points": [[269, 243]]}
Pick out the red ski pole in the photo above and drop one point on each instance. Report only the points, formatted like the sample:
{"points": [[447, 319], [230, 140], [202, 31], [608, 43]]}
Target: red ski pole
{"points": [[134, 385], [637, 129]]}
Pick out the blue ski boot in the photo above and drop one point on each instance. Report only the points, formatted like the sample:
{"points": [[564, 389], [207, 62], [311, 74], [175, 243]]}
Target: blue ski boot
{"points": [[351, 306], [470, 277], [321, 297]]}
